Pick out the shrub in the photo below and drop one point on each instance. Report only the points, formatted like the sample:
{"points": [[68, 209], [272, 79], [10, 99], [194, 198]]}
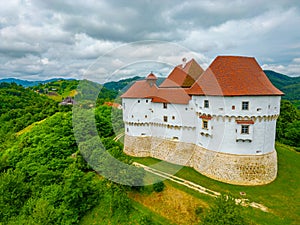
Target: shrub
{"points": [[159, 186]]}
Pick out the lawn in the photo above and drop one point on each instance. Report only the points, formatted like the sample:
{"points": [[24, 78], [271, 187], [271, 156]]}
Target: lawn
{"points": [[99, 216], [281, 196]]}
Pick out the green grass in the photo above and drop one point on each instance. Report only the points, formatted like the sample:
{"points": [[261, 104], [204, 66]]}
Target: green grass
{"points": [[28, 128], [281, 196], [99, 216]]}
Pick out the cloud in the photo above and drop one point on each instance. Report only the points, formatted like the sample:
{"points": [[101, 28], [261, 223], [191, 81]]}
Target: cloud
{"points": [[43, 39], [292, 69]]}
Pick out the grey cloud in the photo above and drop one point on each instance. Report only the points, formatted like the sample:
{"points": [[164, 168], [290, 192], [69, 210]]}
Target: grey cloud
{"points": [[71, 35]]}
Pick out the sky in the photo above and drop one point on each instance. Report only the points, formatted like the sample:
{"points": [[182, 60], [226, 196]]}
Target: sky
{"points": [[93, 38]]}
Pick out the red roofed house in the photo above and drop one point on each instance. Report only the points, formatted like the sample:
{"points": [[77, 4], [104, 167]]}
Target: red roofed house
{"points": [[220, 121]]}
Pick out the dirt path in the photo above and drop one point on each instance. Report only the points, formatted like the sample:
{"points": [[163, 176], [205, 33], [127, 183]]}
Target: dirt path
{"points": [[197, 187], [116, 138]]}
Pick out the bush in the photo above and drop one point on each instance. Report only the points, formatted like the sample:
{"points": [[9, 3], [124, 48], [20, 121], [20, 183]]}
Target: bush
{"points": [[199, 210], [159, 186], [146, 220], [225, 212]]}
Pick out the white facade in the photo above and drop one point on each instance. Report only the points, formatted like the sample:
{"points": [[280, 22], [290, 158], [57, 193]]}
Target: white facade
{"points": [[218, 127]]}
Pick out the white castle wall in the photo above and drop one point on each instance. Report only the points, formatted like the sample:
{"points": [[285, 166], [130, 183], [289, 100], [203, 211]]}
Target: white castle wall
{"points": [[237, 158], [142, 117], [229, 168], [224, 130], [148, 120]]}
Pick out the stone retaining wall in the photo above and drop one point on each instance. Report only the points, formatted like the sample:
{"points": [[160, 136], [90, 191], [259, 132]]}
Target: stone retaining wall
{"points": [[228, 168]]}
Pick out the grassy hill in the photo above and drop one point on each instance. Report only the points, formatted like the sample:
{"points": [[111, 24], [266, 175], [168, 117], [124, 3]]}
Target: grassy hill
{"points": [[281, 196], [44, 178], [57, 89], [20, 107], [27, 83], [289, 85]]}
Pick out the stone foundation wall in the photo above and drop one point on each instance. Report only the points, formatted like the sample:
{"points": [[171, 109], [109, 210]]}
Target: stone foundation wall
{"points": [[228, 168]]}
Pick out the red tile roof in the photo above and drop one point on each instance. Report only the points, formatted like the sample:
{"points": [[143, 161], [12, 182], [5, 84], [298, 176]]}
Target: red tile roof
{"points": [[113, 104], [172, 95], [175, 79], [183, 76], [140, 89], [143, 89], [226, 76], [151, 76], [234, 76]]}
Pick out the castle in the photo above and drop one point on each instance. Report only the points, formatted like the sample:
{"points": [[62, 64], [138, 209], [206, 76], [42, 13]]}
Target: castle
{"points": [[220, 121]]}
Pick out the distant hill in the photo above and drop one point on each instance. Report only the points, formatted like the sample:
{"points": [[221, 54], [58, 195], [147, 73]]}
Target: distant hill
{"points": [[119, 85], [289, 85], [124, 84], [27, 83]]}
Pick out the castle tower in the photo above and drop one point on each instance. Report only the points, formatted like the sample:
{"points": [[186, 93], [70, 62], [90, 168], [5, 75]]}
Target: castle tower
{"points": [[220, 121]]}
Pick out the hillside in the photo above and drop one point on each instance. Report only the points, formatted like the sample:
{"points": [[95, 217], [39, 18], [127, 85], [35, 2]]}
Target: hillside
{"points": [[60, 88], [20, 107], [44, 177], [289, 85], [26, 83]]}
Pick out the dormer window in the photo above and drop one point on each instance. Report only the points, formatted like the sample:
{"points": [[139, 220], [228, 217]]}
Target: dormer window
{"points": [[245, 105], [206, 104]]}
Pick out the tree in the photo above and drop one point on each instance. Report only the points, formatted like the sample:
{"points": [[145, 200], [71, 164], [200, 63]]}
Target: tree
{"points": [[159, 186], [292, 134], [288, 114], [13, 194], [225, 212]]}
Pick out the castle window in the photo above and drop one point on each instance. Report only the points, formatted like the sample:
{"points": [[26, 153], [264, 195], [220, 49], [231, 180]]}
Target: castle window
{"points": [[245, 105], [204, 124], [165, 119], [233, 107], [165, 105], [146, 100], [139, 101], [146, 116], [206, 104], [245, 129], [173, 117]]}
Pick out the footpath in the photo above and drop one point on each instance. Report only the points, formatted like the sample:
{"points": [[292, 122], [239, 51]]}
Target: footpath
{"points": [[197, 187]]}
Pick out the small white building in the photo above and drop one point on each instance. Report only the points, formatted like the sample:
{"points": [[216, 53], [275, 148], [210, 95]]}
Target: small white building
{"points": [[220, 121]]}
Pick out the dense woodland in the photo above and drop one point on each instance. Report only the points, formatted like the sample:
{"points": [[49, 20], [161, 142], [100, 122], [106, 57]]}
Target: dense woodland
{"points": [[44, 177]]}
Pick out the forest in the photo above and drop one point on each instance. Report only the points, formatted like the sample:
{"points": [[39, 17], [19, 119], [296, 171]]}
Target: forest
{"points": [[45, 179]]}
